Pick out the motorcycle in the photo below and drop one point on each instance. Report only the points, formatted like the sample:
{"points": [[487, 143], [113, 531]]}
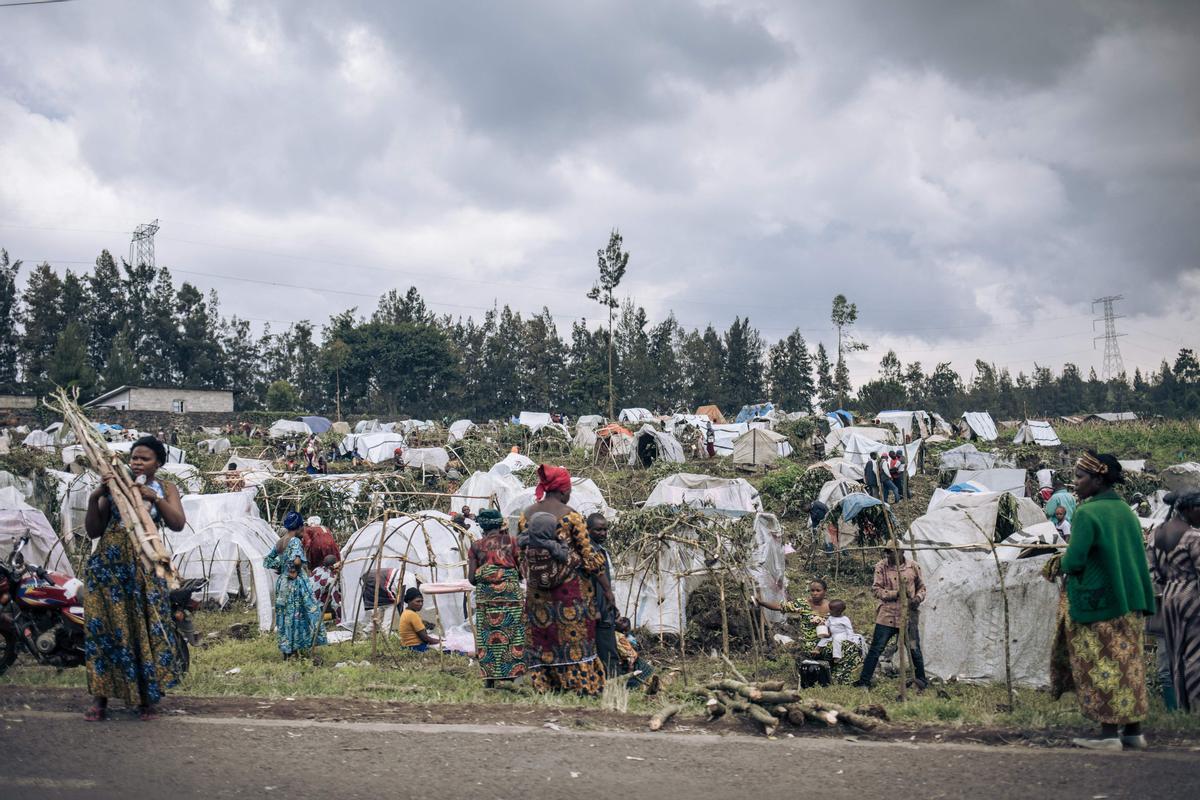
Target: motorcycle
{"points": [[41, 613]]}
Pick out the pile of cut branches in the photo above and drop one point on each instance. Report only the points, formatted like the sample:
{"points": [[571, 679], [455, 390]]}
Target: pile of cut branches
{"points": [[770, 705]]}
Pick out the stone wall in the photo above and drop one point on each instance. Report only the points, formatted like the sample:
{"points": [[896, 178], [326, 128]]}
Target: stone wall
{"points": [[194, 401]]}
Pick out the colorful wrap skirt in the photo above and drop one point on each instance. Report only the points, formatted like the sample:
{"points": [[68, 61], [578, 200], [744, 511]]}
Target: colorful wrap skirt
{"points": [[499, 622]]}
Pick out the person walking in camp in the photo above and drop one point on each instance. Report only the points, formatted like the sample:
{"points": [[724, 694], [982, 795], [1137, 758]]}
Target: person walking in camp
{"points": [[886, 588], [494, 569], [887, 487], [1061, 498], [560, 601], [869, 477], [1175, 562], [606, 603], [129, 643], [325, 587], [298, 623], [1100, 633], [710, 440]]}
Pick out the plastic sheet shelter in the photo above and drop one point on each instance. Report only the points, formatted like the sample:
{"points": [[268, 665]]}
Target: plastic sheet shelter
{"points": [[997, 479], [18, 518], [1040, 432], [760, 447], [225, 540], [651, 445], [427, 459], [317, 425], [586, 498], [632, 416], [372, 447], [249, 471], [71, 492], [836, 436], [857, 450], [755, 411], [459, 429], [426, 546], [916, 424], [283, 428], [981, 425], [501, 484], [713, 413], [175, 455], [515, 462], [966, 456], [705, 491]]}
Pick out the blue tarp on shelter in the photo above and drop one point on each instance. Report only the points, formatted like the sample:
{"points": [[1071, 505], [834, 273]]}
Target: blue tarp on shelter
{"points": [[854, 503], [840, 419], [750, 412], [317, 424]]}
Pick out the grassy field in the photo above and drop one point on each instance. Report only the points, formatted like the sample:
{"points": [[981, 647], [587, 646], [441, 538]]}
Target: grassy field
{"points": [[1163, 443]]}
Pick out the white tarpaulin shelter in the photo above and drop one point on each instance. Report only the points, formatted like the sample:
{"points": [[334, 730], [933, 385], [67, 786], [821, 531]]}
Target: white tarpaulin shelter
{"points": [[40, 440], [225, 540], [72, 493], [459, 429], [213, 446], [585, 437], [635, 415], [1034, 431], [835, 491], [515, 462], [981, 425], [500, 483], [857, 450], [184, 475], [651, 445], [1182, 476], [18, 518], [24, 486], [375, 448], [427, 459], [760, 447], [917, 423], [1133, 465], [586, 498], [426, 545], [994, 480], [408, 426], [962, 618], [966, 456], [251, 471], [838, 436], [705, 491], [288, 427], [589, 421], [725, 435], [965, 519], [534, 420]]}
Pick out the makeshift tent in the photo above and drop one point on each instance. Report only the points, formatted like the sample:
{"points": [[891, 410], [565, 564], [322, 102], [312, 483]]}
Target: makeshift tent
{"points": [[371, 426], [917, 424], [725, 435], [969, 519], [835, 491], [755, 411], [317, 425], [427, 459], [1132, 465], [534, 420], [1039, 432], [375, 447], [18, 518], [1181, 476], [1112, 416], [249, 471], [283, 428], [213, 446], [40, 440], [994, 480], [705, 491], [589, 421], [409, 426], [424, 547], [341, 428], [585, 437], [712, 412], [24, 486], [857, 450], [980, 425], [651, 445], [966, 456], [71, 492], [225, 540], [613, 441], [839, 419], [184, 475], [586, 498], [514, 462], [759, 447], [459, 429], [498, 483], [635, 415], [836, 436]]}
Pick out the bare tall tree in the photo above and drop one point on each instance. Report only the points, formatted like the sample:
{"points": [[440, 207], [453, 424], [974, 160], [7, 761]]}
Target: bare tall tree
{"points": [[611, 262], [843, 315]]}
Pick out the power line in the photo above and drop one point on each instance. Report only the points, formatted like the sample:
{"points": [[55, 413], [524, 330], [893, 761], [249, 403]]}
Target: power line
{"points": [[1113, 364], [33, 3]]}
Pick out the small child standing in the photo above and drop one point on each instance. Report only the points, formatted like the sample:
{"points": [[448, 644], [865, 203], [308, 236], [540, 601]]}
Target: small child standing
{"points": [[631, 660], [839, 630]]}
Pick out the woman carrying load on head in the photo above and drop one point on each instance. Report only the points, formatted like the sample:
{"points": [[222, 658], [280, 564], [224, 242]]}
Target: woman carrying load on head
{"points": [[1108, 592], [1175, 562], [129, 637], [560, 600], [493, 568], [298, 624]]}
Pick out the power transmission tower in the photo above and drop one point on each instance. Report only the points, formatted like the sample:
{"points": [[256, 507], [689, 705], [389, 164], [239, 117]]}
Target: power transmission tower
{"points": [[141, 247], [1114, 366]]}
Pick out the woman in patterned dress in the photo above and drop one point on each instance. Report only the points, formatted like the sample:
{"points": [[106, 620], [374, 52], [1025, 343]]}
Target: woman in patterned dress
{"points": [[493, 568], [297, 614], [560, 648], [1175, 562], [813, 612], [129, 637]]}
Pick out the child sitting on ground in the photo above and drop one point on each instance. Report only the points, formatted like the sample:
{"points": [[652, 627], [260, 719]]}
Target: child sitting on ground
{"points": [[840, 630], [631, 660]]}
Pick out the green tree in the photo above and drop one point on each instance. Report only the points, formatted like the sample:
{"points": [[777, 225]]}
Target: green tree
{"points": [[611, 263], [335, 355], [104, 310], [632, 345], [121, 364], [541, 370], [826, 394], [282, 396], [789, 373], [69, 366], [666, 377], [397, 309], [587, 372], [743, 376], [844, 314], [198, 355], [10, 317], [240, 353], [44, 322]]}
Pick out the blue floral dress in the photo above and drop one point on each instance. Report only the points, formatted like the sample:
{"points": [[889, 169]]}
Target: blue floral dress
{"points": [[129, 640], [297, 613]]}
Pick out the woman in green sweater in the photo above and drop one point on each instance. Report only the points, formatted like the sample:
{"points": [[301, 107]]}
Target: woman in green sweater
{"points": [[1108, 594]]}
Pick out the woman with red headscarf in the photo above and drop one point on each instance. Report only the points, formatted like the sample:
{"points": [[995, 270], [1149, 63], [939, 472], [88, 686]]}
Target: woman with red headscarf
{"points": [[560, 601]]}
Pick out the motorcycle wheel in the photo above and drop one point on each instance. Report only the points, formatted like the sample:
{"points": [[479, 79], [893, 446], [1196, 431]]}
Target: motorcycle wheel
{"points": [[8, 650]]}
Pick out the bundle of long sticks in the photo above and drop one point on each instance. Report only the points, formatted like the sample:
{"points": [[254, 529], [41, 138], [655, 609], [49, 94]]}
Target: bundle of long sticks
{"points": [[769, 704], [122, 488]]}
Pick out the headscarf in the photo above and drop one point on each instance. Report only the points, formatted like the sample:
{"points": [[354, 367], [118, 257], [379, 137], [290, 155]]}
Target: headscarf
{"points": [[551, 479], [1106, 466], [292, 520], [489, 519]]}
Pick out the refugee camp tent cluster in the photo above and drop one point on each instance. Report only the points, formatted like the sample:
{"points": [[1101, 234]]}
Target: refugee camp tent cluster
{"points": [[1039, 432], [19, 519]]}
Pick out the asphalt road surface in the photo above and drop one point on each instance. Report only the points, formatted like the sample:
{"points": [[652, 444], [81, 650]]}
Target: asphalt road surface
{"points": [[56, 754]]}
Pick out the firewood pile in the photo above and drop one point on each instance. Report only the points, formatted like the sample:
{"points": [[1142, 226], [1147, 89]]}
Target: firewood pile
{"points": [[769, 705]]}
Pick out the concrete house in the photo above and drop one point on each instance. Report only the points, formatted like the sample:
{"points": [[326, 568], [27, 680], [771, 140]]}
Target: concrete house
{"points": [[176, 401]]}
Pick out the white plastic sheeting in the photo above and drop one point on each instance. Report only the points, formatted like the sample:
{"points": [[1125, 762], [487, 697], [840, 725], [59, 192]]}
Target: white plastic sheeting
{"points": [[1132, 465], [590, 421], [213, 446], [668, 447], [24, 486], [918, 423], [72, 493], [501, 483], [760, 447], [412, 539], [966, 456], [40, 440], [225, 540], [981, 425], [635, 415], [18, 518], [705, 491], [374, 447], [252, 471], [586, 498], [427, 459], [185, 475], [515, 462], [288, 427], [1033, 431], [725, 435], [534, 420], [585, 437], [964, 519], [835, 491], [459, 429], [1182, 476], [994, 480], [857, 450], [838, 436], [175, 455]]}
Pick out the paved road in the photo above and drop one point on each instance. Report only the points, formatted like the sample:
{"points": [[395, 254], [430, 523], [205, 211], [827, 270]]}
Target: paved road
{"points": [[55, 754]]}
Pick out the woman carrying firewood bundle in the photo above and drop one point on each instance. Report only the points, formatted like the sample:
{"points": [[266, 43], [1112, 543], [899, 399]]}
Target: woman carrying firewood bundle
{"points": [[129, 640]]}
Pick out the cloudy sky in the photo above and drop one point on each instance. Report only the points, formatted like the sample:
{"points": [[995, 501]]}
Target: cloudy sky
{"points": [[972, 175]]}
